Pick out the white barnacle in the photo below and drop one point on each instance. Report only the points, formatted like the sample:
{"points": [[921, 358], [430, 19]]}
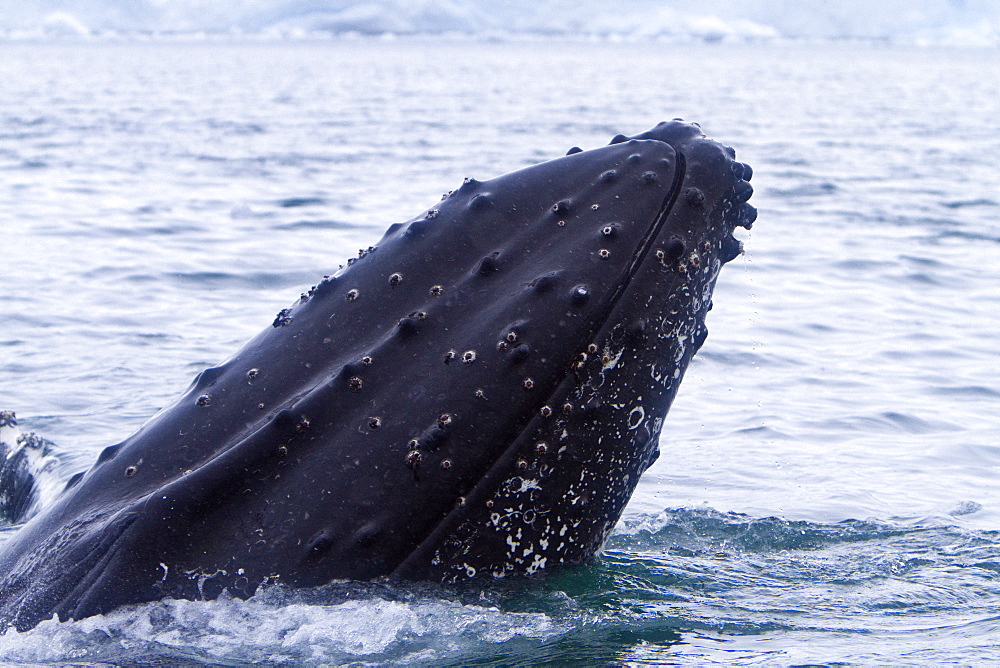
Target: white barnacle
{"points": [[536, 565], [611, 362], [635, 417]]}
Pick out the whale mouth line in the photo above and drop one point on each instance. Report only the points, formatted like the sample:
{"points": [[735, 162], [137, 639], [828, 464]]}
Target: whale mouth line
{"points": [[646, 244], [504, 461]]}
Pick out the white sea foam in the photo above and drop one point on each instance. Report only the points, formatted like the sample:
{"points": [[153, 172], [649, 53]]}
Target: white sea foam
{"points": [[236, 630]]}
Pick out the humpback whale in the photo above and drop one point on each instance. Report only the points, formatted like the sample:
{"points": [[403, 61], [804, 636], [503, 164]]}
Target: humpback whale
{"points": [[474, 396]]}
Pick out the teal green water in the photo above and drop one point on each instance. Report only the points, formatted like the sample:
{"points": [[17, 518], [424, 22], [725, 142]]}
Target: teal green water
{"points": [[690, 586]]}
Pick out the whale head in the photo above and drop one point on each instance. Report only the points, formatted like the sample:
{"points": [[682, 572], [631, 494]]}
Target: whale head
{"points": [[476, 394]]}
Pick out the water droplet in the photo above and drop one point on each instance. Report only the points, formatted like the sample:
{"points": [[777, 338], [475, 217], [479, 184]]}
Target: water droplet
{"points": [[352, 295], [445, 464], [131, 471], [528, 383], [374, 422], [204, 400], [355, 384], [252, 373], [436, 290], [604, 253], [545, 411], [469, 356]]}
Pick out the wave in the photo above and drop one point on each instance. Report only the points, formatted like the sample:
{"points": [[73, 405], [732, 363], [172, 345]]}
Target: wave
{"points": [[28, 472], [685, 583]]}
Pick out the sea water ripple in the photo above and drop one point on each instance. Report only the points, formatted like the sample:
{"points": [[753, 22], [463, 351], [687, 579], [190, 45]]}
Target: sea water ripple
{"points": [[828, 485]]}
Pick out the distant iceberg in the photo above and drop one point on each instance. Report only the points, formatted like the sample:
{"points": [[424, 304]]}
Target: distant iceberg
{"points": [[929, 22]]}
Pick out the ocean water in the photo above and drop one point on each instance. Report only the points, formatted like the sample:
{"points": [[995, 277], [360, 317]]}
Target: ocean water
{"points": [[829, 484]]}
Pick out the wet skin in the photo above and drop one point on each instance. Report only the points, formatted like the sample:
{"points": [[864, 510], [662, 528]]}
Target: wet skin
{"points": [[474, 396]]}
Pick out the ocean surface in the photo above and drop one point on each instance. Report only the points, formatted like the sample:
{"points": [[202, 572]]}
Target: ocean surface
{"points": [[829, 484]]}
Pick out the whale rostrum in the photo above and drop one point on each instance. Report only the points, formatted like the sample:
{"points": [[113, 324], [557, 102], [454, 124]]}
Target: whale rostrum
{"points": [[476, 395]]}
